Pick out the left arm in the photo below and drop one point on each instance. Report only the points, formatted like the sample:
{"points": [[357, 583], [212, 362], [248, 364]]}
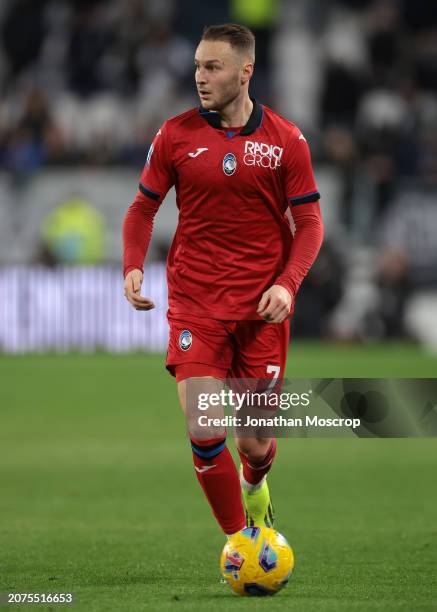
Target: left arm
{"points": [[275, 303], [306, 244], [303, 196]]}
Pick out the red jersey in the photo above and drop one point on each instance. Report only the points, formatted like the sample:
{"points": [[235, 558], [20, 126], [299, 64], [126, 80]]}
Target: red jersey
{"points": [[233, 189]]}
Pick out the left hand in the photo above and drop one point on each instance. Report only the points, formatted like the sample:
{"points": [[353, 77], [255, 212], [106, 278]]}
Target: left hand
{"points": [[275, 304]]}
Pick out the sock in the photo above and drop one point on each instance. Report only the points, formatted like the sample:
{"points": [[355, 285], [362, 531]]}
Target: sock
{"points": [[218, 477], [254, 473], [247, 486]]}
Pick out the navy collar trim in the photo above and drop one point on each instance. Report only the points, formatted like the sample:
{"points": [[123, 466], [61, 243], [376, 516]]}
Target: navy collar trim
{"points": [[254, 122]]}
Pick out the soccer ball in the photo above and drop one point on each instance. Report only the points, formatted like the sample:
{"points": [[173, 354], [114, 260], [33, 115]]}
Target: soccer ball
{"points": [[257, 561]]}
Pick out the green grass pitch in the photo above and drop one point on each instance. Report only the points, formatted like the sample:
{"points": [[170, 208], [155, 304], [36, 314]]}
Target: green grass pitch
{"points": [[98, 495]]}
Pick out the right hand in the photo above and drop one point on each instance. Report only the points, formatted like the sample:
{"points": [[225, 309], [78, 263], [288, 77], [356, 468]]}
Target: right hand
{"points": [[132, 291]]}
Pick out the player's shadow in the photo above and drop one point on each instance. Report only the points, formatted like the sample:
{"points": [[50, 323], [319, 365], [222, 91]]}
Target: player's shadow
{"points": [[227, 595]]}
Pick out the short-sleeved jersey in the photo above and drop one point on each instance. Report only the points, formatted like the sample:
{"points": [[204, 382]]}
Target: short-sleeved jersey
{"points": [[233, 189]]}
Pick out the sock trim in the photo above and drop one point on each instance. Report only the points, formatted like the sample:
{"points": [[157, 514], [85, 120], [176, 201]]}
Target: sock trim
{"points": [[207, 452], [248, 486], [269, 461]]}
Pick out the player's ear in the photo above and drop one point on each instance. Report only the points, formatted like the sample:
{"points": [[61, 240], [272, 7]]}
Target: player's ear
{"points": [[246, 72]]}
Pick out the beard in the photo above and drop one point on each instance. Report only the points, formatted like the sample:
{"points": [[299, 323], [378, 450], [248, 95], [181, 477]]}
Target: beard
{"points": [[224, 97]]}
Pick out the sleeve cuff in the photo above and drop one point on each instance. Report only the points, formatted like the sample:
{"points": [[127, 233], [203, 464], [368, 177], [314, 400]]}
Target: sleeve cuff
{"points": [[287, 285], [129, 269]]}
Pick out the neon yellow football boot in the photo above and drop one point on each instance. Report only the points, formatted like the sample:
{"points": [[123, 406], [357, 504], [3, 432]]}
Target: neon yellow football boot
{"points": [[257, 503]]}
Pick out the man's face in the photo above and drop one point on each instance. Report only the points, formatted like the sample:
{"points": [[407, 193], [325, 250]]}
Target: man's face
{"points": [[220, 74]]}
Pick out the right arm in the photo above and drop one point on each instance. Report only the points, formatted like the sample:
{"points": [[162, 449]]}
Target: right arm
{"points": [[137, 233], [156, 179]]}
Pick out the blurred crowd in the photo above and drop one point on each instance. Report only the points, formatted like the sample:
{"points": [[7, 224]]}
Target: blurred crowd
{"points": [[88, 82]]}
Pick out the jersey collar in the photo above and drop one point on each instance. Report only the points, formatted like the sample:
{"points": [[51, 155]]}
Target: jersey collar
{"points": [[254, 122]]}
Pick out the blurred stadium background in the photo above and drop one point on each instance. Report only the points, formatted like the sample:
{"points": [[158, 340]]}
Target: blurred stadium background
{"points": [[84, 86]]}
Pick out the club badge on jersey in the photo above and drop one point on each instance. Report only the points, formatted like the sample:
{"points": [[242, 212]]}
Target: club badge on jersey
{"points": [[229, 164], [185, 340]]}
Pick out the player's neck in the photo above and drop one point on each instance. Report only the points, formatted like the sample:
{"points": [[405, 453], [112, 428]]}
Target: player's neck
{"points": [[237, 112]]}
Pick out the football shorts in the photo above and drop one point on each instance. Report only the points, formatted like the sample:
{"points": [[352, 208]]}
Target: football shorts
{"points": [[227, 349]]}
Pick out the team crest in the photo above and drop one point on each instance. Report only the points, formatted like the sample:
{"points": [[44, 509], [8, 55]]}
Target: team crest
{"points": [[229, 164], [185, 340]]}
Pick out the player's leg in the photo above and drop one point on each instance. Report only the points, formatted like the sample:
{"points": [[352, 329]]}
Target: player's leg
{"points": [[192, 345], [257, 455], [213, 463], [253, 479], [261, 356]]}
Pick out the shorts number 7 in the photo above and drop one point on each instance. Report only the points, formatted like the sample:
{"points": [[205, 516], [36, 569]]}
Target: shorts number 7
{"points": [[275, 370]]}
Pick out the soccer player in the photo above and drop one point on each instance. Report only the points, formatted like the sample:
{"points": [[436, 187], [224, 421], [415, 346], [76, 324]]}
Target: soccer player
{"points": [[249, 230]]}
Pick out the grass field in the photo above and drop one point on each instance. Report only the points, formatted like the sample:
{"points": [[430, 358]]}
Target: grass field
{"points": [[98, 496]]}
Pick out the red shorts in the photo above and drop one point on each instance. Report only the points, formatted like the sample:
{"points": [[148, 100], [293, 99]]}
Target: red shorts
{"points": [[227, 349]]}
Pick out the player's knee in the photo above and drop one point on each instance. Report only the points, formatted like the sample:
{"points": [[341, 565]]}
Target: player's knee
{"points": [[205, 420], [205, 431], [254, 448]]}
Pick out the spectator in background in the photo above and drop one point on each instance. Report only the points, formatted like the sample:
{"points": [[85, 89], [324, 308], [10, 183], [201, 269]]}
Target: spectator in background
{"points": [[73, 234], [34, 140], [319, 295], [21, 155], [408, 263], [90, 39], [22, 34]]}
